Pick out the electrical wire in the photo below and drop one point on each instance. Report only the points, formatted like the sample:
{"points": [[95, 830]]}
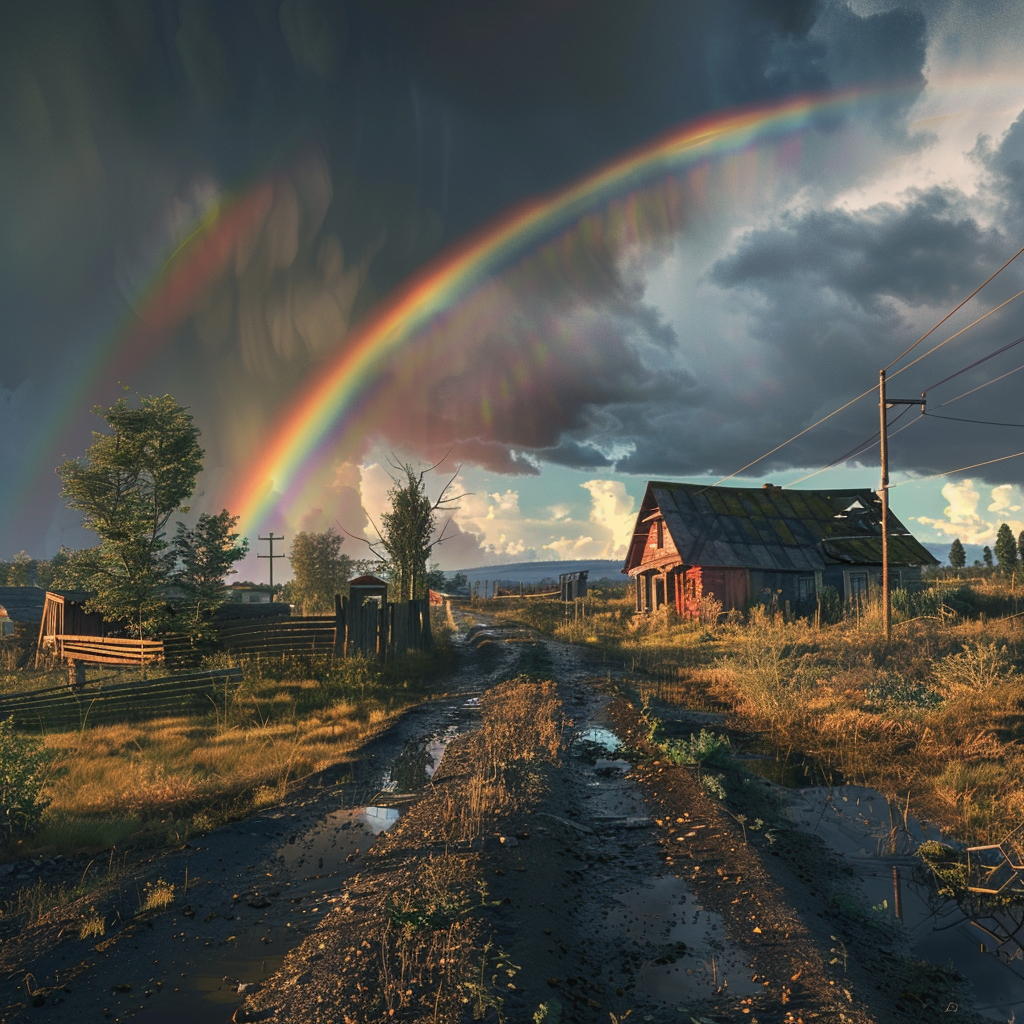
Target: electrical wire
{"points": [[864, 446], [978, 362], [973, 323], [952, 311], [950, 401], [960, 419], [962, 469], [795, 436], [864, 394]]}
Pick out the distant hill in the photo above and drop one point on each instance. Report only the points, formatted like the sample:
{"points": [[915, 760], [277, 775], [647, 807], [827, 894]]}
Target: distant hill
{"points": [[538, 572]]}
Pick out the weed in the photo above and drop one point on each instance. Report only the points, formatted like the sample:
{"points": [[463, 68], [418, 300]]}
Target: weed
{"points": [[157, 895], [714, 785], [93, 926], [24, 770], [707, 749]]}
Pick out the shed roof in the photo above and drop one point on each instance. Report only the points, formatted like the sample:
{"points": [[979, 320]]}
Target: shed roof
{"points": [[367, 581], [23, 604], [774, 529]]}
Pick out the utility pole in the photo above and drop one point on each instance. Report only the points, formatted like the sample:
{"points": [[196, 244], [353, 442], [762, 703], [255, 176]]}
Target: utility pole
{"points": [[271, 556], [884, 404]]}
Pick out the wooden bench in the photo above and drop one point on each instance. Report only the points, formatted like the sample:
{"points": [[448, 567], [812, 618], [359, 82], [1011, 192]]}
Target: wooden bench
{"points": [[79, 651]]}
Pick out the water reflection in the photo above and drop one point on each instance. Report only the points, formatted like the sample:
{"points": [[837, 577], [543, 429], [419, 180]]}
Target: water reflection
{"points": [[693, 959], [879, 842]]}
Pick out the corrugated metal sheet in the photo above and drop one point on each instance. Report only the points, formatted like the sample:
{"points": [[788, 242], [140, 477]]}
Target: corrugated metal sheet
{"points": [[773, 529]]}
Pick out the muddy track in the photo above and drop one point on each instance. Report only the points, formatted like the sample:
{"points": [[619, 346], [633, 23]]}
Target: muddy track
{"points": [[624, 889], [244, 893]]}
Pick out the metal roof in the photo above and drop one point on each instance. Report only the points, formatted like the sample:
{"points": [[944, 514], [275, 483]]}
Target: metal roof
{"points": [[774, 529]]}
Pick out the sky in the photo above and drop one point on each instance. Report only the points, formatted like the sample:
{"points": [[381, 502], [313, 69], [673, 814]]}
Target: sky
{"points": [[557, 248]]}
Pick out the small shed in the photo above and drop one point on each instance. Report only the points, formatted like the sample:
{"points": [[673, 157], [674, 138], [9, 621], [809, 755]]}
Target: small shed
{"points": [[64, 614], [367, 588], [573, 584]]}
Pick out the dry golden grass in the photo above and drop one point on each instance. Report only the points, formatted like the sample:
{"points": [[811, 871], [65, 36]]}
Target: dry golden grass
{"points": [[522, 725], [166, 777], [935, 715]]}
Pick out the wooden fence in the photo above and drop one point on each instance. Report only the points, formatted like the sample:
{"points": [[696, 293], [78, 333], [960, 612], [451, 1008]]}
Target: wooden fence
{"points": [[375, 630], [60, 709]]}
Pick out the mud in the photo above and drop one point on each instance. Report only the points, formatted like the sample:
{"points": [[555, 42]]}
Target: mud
{"points": [[625, 890]]}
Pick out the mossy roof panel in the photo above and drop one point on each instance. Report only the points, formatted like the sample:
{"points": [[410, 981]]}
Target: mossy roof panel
{"points": [[775, 529]]}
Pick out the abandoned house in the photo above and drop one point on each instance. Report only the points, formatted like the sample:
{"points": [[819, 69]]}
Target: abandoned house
{"points": [[744, 545]]}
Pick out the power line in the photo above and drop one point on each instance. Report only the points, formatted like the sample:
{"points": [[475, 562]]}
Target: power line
{"points": [[865, 445], [952, 311], [960, 419], [977, 362], [794, 437], [870, 390], [935, 348], [962, 469], [950, 401]]}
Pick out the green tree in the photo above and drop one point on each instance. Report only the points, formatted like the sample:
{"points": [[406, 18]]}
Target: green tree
{"points": [[21, 571], [1006, 549], [986, 554], [957, 555], [321, 571], [206, 554], [407, 531], [127, 486]]}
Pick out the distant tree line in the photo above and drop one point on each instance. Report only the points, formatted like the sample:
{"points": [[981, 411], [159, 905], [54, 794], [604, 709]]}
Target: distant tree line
{"points": [[1006, 557], [141, 470]]}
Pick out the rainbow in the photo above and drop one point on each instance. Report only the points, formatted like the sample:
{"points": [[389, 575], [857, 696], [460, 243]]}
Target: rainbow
{"points": [[167, 300], [336, 402]]}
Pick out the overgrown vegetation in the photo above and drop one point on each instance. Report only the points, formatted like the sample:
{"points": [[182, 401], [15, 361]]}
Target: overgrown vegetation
{"points": [[162, 779], [934, 717]]}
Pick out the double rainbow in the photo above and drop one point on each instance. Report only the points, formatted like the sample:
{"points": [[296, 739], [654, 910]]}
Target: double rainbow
{"points": [[333, 407]]}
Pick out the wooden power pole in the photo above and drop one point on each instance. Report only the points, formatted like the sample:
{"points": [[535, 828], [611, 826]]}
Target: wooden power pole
{"points": [[884, 404], [271, 556]]}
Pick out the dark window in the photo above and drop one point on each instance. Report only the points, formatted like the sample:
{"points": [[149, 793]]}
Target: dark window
{"points": [[660, 526], [805, 588], [858, 586]]}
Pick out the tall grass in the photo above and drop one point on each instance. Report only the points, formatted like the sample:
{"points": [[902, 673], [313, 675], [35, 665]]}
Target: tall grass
{"points": [[935, 715], [161, 779]]}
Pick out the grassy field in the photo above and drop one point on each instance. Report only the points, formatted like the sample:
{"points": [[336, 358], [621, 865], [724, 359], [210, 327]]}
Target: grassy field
{"points": [[160, 780], [933, 718]]}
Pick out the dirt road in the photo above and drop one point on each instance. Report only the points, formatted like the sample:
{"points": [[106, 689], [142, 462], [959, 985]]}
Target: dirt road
{"points": [[622, 888]]}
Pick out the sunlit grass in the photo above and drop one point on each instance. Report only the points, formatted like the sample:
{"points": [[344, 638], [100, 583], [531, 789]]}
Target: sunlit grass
{"points": [[935, 715], [162, 779]]}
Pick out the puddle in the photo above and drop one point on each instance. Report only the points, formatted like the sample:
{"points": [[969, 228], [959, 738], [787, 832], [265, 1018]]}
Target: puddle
{"points": [[856, 823], [792, 770], [689, 955], [600, 737], [380, 819], [418, 761]]}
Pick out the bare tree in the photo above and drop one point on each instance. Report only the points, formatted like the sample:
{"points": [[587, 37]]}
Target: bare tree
{"points": [[406, 535]]}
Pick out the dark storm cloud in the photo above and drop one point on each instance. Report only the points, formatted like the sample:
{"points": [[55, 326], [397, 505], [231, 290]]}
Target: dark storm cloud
{"points": [[380, 131], [831, 296], [919, 253]]}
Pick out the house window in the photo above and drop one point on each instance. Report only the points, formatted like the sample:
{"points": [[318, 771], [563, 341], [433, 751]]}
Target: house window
{"points": [[805, 588], [858, 586], [660, 535], [659, 591]]}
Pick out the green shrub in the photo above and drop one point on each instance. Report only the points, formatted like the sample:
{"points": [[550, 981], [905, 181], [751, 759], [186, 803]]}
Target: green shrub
{"points": [[894, 692], [708, 748], [24, 768], [830, 606]]}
